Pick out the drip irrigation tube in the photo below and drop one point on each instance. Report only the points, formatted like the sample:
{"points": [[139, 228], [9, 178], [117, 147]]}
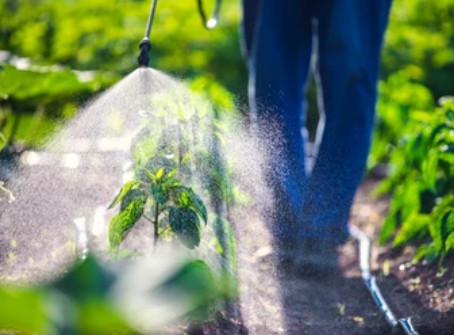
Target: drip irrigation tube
{"points": [[404, 324]]}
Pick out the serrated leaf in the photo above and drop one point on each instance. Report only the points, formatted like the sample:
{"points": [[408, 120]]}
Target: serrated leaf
{"points": [[125, 220], [185, 224], [125, 189]]}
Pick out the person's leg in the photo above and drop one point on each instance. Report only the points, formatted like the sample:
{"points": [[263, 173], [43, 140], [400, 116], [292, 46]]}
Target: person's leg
{"points": [[350, 38], [278, 67]]}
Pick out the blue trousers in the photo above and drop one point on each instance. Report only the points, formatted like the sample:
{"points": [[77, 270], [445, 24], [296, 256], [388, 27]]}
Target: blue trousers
{"points": [[278, 41]]}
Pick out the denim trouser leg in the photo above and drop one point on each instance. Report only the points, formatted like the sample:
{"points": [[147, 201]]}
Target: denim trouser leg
{"points": [[350, 38], [279, 62]]}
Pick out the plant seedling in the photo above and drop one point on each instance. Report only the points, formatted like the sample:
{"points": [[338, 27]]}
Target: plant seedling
{"points": [[157, 195]]}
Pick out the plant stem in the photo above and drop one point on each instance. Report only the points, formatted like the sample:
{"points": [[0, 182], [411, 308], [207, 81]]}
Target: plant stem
{"points": [[155, 223]]}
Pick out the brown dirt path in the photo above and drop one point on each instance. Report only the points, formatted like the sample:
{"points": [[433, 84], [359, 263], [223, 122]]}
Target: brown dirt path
{"points": [[339, 303]]}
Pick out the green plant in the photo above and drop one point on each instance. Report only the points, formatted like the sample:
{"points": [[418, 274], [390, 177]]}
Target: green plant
{"points": [[158, 196], [422, 184], [399, 98], [91, 299]]}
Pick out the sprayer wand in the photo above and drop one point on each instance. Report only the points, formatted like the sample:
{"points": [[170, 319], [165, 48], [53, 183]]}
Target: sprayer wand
{"points": [[145, 45]]}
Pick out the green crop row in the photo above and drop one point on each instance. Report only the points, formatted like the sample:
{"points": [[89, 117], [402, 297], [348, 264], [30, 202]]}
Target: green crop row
{"points": [[421, 182]]}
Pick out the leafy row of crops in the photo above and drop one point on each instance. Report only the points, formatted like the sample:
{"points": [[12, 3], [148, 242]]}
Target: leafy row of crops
{"points": [[421, 184]]}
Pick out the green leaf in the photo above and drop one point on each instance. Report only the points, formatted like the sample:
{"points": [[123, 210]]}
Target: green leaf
{"points": [[198, 205], [23, 310], [130, 196], [157, 163], [124, 190], [160, 173], [449, 243], [185, 223], [160, 193], [410, 198], [388, 228], [184, 196], [438, 229], [429, 170], [185, 291], [426, 252], [87, 280], [195, 287], [2, 141], [125, 220], [411, 229], [100, 317], [446, 228]]}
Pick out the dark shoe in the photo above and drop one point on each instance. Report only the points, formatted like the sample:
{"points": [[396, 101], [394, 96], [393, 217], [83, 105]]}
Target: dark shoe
{"points": [[309, 256]]}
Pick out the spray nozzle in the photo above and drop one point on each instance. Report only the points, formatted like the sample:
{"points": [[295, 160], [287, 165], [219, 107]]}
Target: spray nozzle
{"points": [[145, 47]]}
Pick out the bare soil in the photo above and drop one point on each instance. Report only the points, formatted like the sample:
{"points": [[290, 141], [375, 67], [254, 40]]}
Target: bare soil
{"points": [[338, 303]]}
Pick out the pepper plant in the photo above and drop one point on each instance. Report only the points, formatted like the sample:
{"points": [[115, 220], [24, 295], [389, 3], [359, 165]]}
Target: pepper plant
{"points": [[158, 196], [422, 185]]}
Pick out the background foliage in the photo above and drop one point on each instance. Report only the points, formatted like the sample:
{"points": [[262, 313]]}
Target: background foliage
{"points": [[57, 54]]}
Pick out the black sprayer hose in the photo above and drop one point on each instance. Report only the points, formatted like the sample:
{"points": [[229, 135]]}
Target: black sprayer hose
{"points": [[145, 45]]}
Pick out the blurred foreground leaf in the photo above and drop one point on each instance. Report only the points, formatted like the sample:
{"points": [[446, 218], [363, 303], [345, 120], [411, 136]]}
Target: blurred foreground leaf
{"points": [[89, 299], [23, 310], [87, 280]]}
